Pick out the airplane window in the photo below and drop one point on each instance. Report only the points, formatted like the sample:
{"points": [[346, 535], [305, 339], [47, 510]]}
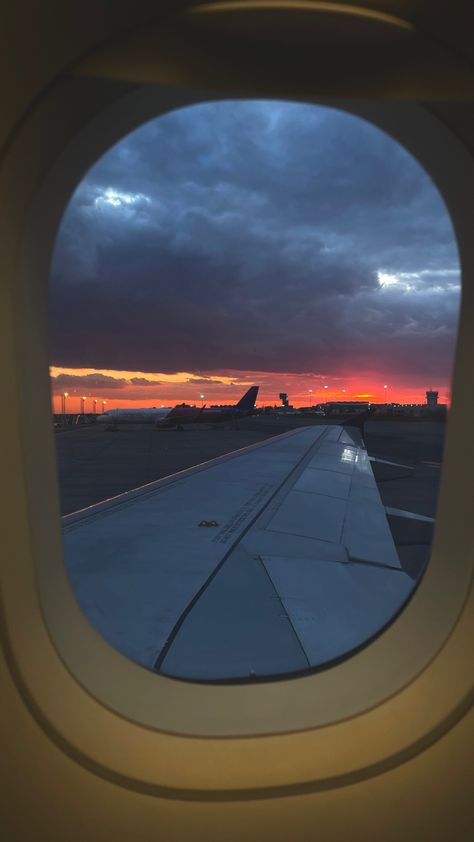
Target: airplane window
{"points": [[253, 311]]}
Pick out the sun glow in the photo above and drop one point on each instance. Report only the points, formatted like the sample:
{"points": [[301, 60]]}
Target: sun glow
{"points": [[402, 280], [157, 377], [424, 279], [124, 389], [118, 199]]}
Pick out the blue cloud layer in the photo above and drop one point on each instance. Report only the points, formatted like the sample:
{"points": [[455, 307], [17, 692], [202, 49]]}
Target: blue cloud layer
{"points": [[255, 235]]}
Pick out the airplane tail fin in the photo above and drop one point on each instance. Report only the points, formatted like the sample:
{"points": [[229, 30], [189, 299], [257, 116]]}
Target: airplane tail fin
{"points": [[248, 400], [358, 419]]}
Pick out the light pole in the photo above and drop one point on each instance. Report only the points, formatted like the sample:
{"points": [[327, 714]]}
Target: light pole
{"points": [[64, 406], [103, 405], [202, 397], [83, 403], [385, 390], [95, 406]]}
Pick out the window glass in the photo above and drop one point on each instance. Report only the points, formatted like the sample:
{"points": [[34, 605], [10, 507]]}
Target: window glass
{"points": [[225, 246]]}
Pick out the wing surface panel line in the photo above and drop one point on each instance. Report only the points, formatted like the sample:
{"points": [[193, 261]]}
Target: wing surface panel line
{"points": [[269, 511], [284, 609], [172, 636]]}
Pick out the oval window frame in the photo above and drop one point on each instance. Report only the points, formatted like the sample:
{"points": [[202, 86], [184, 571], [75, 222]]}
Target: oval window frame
{"points": [[155, 734]]}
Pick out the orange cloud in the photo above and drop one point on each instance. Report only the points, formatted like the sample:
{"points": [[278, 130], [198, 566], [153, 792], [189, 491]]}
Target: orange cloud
{"points": [[136, 388]]}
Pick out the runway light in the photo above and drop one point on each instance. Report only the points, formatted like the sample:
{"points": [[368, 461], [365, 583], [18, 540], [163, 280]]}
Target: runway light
{"points": [[63, 408]]}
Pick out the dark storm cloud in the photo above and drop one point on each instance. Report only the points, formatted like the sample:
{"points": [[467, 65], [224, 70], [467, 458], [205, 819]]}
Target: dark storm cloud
{"points": [[86, 382], [142, 381], [204, 381], [97, 382], [255, 235]]}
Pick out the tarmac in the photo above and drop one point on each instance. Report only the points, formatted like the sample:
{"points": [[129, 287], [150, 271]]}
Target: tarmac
{"points": [[94, 465]]}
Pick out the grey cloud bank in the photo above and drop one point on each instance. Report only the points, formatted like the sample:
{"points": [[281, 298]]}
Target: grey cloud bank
{"points": [[255, 235]]}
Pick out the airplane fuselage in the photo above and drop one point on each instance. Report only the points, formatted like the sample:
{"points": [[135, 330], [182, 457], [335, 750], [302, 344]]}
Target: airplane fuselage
{"points": [[146, 415]]}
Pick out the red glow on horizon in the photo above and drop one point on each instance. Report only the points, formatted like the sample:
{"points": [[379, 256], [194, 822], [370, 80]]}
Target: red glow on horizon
{"points": [[302, 390]]}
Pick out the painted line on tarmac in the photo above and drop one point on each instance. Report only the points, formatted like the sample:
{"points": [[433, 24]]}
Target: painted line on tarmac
{"points": [[410, 515], [395, 464]]}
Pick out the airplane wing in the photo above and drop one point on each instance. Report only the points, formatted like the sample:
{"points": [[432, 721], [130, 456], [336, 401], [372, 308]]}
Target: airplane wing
{"points": [[270, 560]]}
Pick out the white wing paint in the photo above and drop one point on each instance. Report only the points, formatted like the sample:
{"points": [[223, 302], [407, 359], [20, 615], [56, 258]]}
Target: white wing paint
{"points": [[300, 569]]}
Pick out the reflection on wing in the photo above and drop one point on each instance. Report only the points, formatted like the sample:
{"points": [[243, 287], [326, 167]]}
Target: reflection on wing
{"points": [[299, 569]]}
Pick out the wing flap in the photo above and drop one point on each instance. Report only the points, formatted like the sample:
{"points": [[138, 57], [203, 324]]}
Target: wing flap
{"points": [[335, 608]]}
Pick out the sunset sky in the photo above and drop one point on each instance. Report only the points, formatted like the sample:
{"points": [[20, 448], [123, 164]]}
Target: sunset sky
{"points": [[229, 244]]}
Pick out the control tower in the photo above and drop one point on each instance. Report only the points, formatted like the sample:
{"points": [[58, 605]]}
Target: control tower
{"points": [[432, 398]]}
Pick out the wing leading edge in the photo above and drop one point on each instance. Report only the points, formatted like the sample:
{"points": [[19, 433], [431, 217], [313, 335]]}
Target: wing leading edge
{"points": [[268, 561]]}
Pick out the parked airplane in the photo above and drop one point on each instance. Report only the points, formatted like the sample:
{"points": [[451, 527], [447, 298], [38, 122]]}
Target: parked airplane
{"points": [[166, 417], [212, 415]]}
